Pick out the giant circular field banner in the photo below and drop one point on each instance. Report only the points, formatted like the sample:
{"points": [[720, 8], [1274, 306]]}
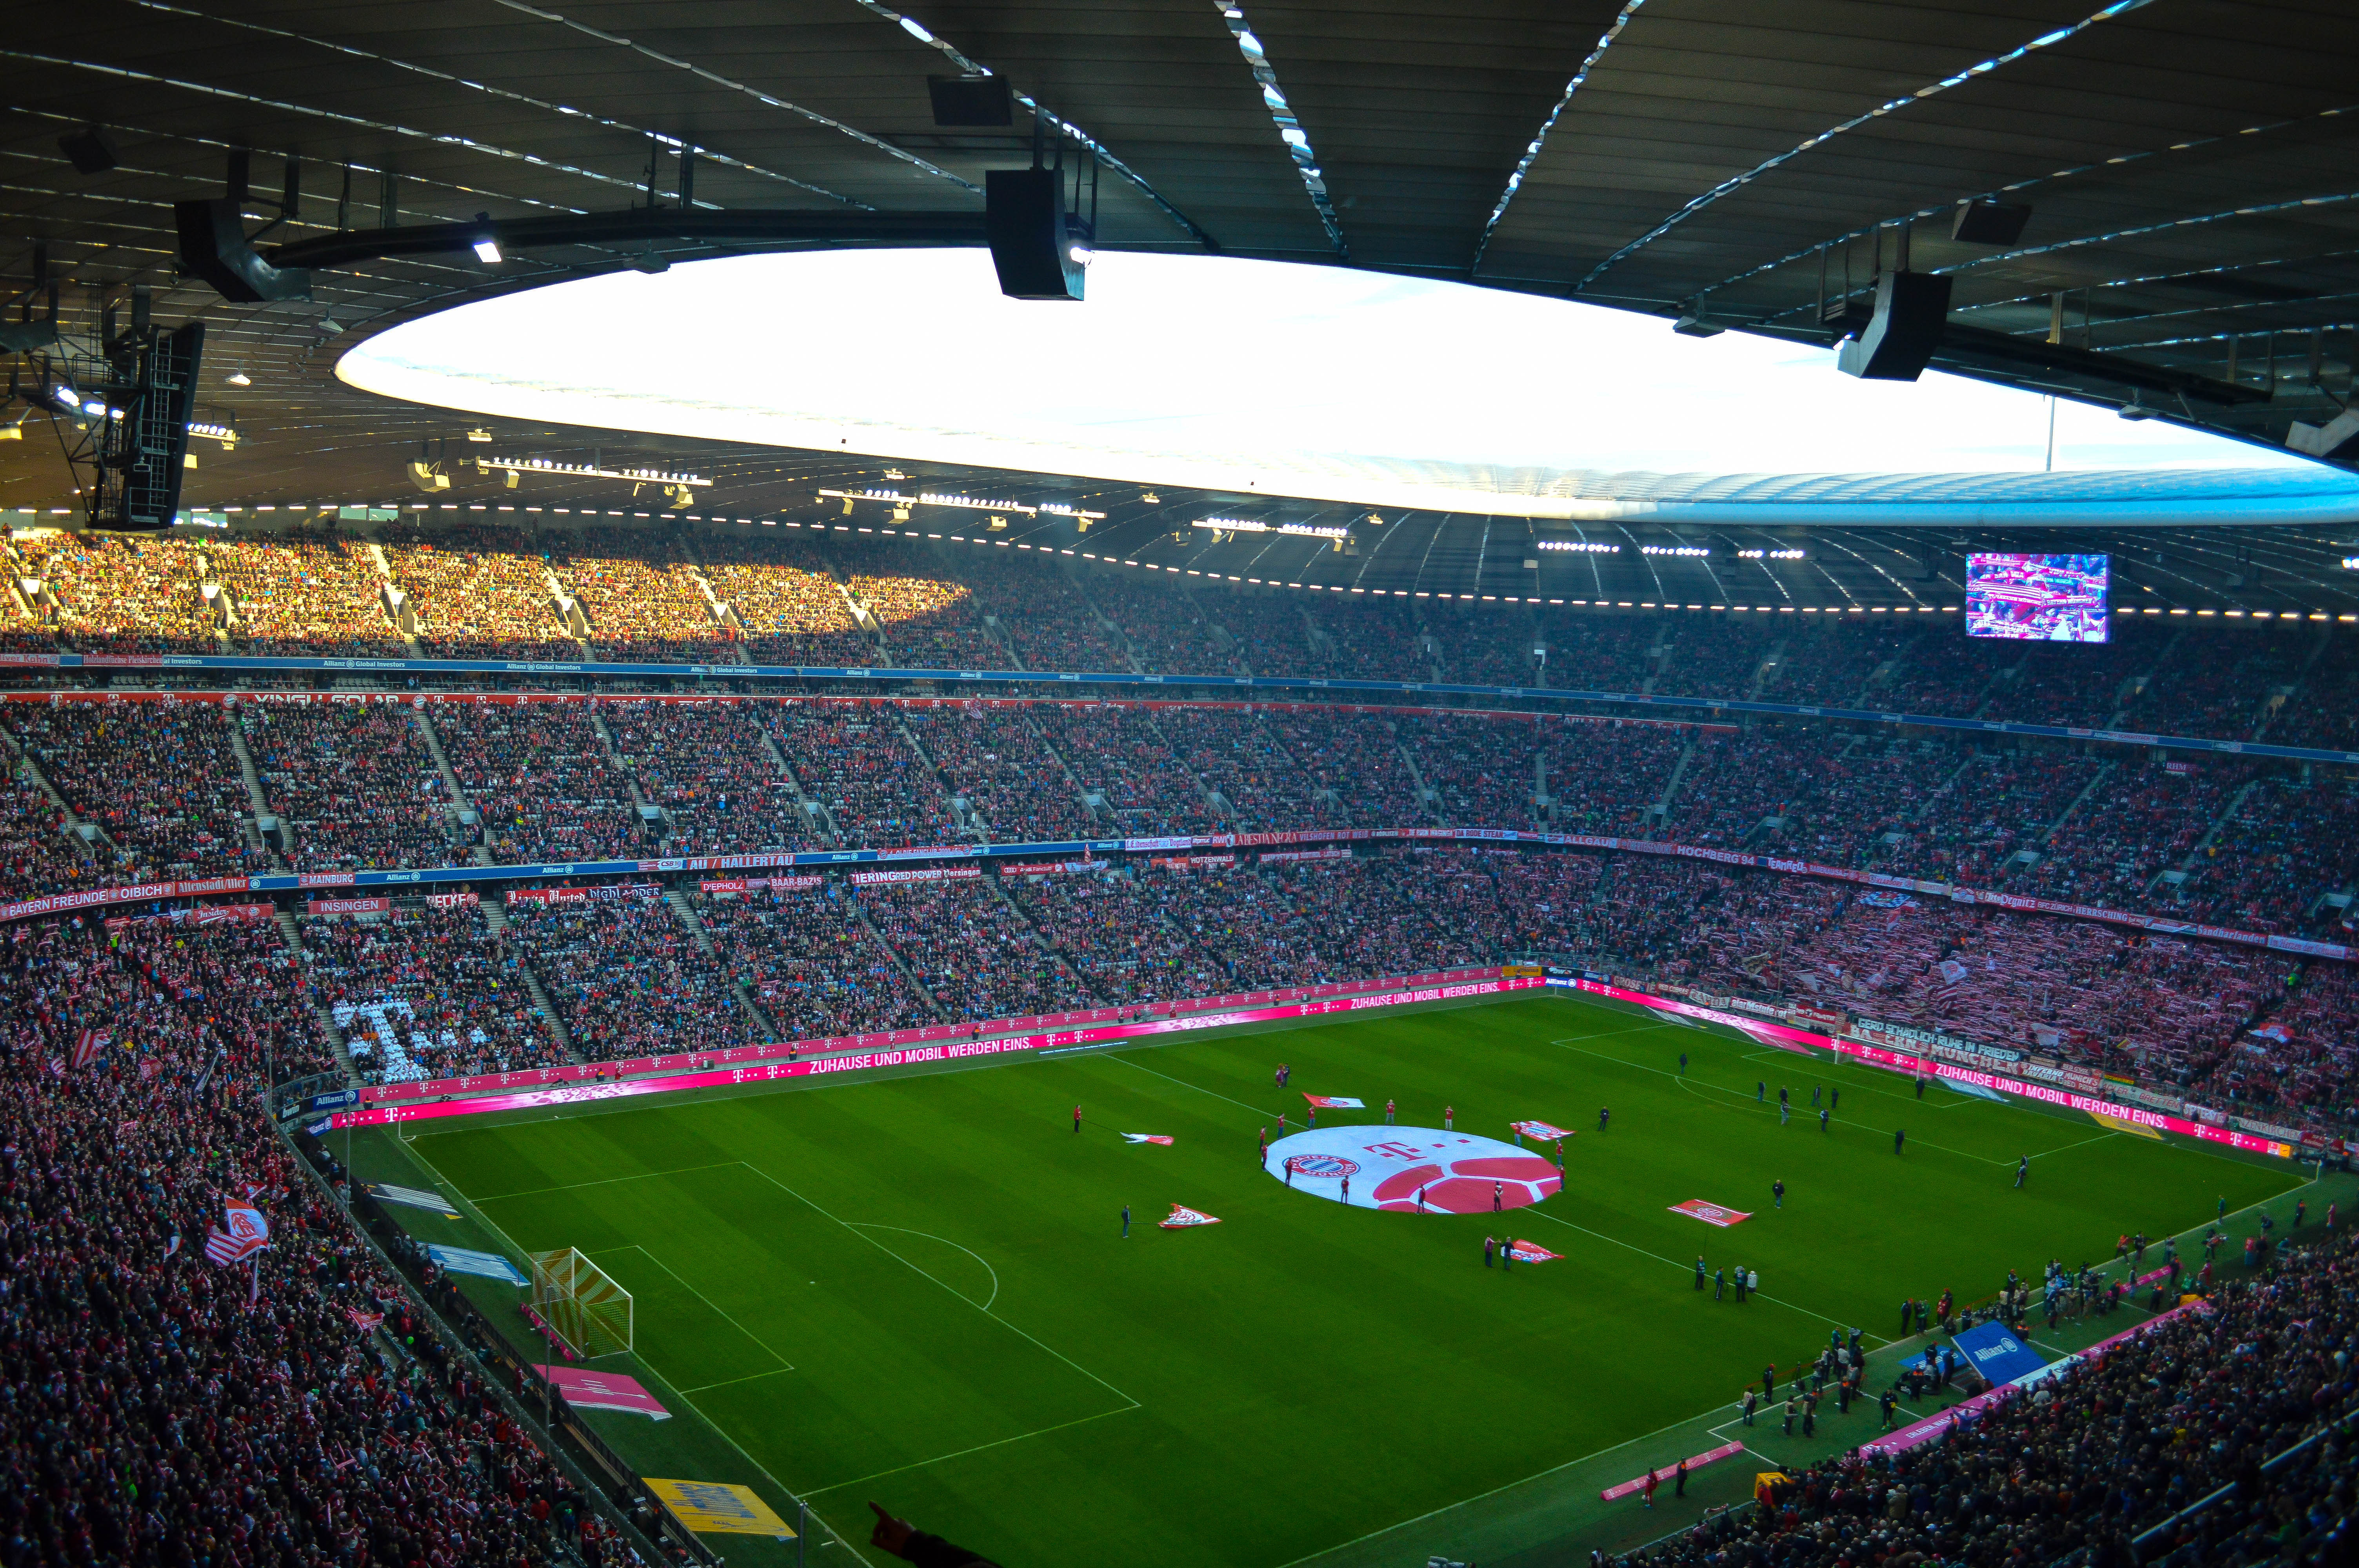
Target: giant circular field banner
{"points": [[1412, 1170]]}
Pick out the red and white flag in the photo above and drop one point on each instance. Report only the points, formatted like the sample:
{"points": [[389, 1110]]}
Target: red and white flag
{"points": [[1146, 1137], [1711, 1213], [88, 1044], [148, 1067], [247, 1234], [131, 1126], [365, 1322], [1183, 1216], [1539, 1130], [1532, 1252], [1336, 1102]]}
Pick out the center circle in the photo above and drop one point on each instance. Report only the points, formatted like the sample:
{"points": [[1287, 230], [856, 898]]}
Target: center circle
{"points": [[1412, 1170]]}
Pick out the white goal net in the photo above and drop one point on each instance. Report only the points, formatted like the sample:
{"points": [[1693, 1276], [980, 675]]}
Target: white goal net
{"points": [[590, 1312]]}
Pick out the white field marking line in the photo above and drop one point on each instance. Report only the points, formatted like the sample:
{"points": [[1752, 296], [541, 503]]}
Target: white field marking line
{"points": [[986, 1312], [1114, 1056], [725, 1382], [1864, 1079], [1774, 1301], [945, 1458], [1738, 1096], [2100, 1138], [783, 1365], [694, 1409], [864, 1225], [1509, 1487], [1698, 1091], [604, 1182]]}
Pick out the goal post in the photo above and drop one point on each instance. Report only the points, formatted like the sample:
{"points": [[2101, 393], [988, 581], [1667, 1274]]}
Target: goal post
{"points": [[589, 1311]]}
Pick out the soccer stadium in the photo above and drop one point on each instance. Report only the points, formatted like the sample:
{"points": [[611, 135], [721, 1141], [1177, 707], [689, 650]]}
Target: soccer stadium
{"points": [[1318, 787]]}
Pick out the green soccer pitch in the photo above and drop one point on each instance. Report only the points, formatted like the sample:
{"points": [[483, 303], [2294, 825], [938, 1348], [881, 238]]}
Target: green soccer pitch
{"points": [[914, 1288]]}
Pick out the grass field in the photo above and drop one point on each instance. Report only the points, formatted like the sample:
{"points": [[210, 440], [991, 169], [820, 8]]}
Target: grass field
{"points": [[914, 1288]]}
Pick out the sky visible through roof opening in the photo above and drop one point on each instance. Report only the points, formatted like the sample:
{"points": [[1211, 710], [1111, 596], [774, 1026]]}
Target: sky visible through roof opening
{"points": [[1251, 376]]}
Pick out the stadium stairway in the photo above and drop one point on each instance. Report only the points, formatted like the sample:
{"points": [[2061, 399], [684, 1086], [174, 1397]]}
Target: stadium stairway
{"points": [[2088, 791], [916, 987], [79, 834], [482, 855], [1660, 811], [816, 810], [685, 911], [614, 763], [1056, 954], [496, 921], [254, 797], [1429, 799], [290, 932]]}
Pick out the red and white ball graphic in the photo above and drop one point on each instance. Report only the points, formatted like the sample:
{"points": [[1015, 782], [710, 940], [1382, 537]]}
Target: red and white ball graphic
{"points": [[1412, 1170]]}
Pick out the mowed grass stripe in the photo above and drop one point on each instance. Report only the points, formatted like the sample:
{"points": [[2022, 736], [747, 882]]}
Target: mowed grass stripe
{"points": [[1304, 1373]]}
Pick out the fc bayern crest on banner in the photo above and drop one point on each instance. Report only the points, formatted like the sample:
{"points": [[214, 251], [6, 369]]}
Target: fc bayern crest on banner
{"points": [[1182, 1216], [1532, 1252], [1335, 1102], [1412, 1170], [1711, 1213]]}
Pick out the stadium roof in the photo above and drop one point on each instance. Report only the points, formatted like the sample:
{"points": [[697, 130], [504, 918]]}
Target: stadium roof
{"points": [[2191, 236]]}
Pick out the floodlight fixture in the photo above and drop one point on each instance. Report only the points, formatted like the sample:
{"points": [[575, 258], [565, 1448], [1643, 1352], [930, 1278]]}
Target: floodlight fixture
{"points": [[238, 378], [487, 244], [588, 470]]}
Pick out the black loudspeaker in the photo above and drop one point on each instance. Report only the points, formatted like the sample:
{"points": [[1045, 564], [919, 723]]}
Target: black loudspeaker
{"points": [[213, 247], [88, 149], [1032, 240], [971, 99], [1900, 337], [1989, 222]]}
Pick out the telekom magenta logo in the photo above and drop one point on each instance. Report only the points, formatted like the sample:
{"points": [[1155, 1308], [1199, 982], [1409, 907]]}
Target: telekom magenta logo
{"points": [[1412, 1170]]}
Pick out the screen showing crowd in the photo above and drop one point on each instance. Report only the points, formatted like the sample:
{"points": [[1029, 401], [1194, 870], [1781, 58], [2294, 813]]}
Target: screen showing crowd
{"points": [[2048, 599]]}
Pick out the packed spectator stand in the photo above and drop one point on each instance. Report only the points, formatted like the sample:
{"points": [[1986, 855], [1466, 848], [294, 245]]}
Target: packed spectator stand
{"points": [[485, 593], [2237, 841], [354, 783], [166, 1410], [626, 976], [2221, 1433]]}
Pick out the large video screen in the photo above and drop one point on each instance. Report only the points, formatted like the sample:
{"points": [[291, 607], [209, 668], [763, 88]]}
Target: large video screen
{"points": [[2045, 598]]}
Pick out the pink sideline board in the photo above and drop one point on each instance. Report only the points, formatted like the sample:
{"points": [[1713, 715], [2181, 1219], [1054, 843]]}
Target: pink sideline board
{"points": [[584, 1094], [1670, 1472], [1033, 1024], [1902, 1062]]}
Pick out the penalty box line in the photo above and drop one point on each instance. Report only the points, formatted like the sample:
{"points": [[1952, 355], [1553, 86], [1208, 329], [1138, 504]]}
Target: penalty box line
{"points": [[855, 1229]]}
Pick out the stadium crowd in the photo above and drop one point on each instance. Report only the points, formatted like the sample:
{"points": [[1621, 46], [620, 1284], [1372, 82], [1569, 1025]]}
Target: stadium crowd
{"points": [[425, 993], [113, 595], [626, 976], [2117, 1446], [654, 607], [160, 784], [481, 593], [160, 1409], [539, 777], [354, 784], [810, 962]]}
